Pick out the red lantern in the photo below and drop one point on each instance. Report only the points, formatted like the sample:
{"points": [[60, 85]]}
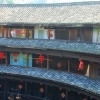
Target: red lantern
{"points": [[41, 58], [1, 55], [23, 31], [80, 67]]}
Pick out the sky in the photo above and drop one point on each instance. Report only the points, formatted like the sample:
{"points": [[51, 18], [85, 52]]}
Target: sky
{"points": [[60, 1], [49, 1]]}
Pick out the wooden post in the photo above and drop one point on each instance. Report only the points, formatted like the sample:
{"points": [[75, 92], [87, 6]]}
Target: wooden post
{"points": [[27, 33], [27, 60], [6, 59], [47, 62], [10, 32], [3, 30], [69, 34], [46, 93], [7, 33], [66, 94], [25, 90], [48, 34], [5, 90], [68, 65], [86, 97]]}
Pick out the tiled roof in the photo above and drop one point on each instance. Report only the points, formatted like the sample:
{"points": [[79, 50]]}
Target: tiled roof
{"points": [[53, 14], [79, 81], [51, 44]]}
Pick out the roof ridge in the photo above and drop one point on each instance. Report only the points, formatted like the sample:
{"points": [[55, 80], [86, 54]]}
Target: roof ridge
{"points": [[56, 4]]}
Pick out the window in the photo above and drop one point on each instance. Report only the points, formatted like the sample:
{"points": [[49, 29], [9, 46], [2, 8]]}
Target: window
{"points": [[80, 35], [40, 34], [62, 34]]}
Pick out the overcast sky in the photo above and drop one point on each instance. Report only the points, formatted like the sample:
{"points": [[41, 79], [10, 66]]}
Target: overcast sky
{"points": [[49, 1], [54, 1]]}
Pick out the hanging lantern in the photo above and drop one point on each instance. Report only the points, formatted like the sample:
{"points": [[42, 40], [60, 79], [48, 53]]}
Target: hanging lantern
{"points": [[63, 95], [1, 55], [41, 90], [20, 86], [59, 65], [23, 31], [41, 58], [80, 67]]}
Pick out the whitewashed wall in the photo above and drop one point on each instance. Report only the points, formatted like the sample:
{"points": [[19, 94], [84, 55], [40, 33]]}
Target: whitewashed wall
{"points": [[96, 35], [45, 34]]}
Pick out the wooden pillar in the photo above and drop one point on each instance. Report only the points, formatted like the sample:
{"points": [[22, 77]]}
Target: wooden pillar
{"points": [[47, 62], [46, 93], [66, 94], [27, 33], [27, 59], [3, 30], [6, 32], [86, 97], [68, 65], [10, 32], [49, 34], [69, 34], [25, 90], [5, 90], [6, 59]]}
